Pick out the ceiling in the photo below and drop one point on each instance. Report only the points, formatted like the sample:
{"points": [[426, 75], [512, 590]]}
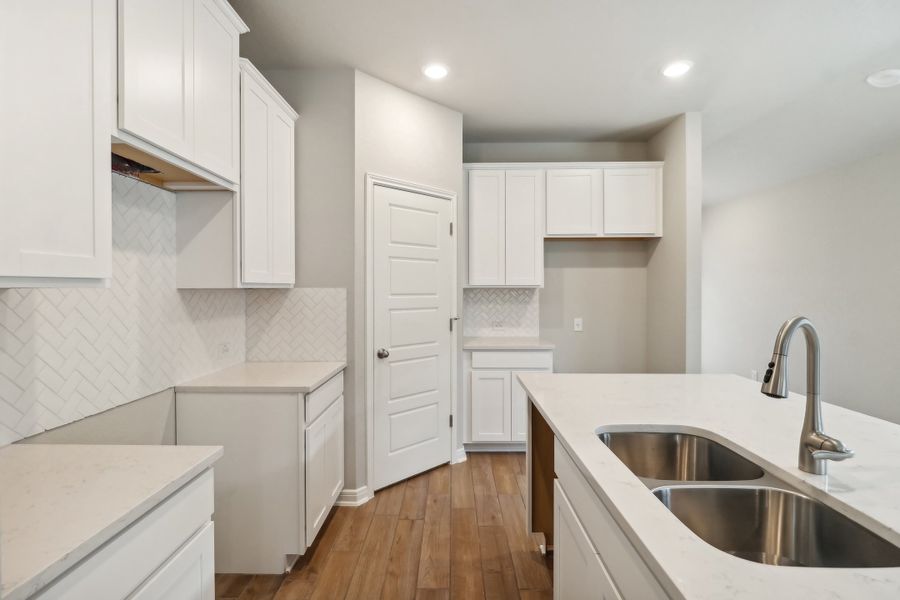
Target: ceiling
{"points": [[780, 83]]}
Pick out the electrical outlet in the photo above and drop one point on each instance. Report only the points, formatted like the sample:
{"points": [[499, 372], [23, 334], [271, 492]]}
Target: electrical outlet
{"points": [[497, 324], [224, 349], [578, 324], [754, 374]]}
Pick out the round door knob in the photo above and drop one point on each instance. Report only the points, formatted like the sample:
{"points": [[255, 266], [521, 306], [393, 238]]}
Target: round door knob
{"points": [[382, 353]]}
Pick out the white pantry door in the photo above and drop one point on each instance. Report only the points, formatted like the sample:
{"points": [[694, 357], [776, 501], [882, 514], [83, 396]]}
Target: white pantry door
{"points": [[413, 279]]}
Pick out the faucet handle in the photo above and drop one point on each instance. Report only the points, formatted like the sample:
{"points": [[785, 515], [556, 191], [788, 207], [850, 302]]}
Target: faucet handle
{"points": [[836, 455]]}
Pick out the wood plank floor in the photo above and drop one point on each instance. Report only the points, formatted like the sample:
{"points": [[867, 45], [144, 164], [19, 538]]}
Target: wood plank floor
{"points": [[455, 532]]}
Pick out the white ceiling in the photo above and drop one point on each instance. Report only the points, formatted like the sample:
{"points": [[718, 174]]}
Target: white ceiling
{"points": [[780, 83]]}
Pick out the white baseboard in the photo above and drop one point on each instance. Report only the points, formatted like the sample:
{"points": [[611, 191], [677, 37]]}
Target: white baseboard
{"points": [[354, 497], [495, 447], [459, 455]]}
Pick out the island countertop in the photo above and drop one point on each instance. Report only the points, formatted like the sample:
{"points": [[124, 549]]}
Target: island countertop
{"points": [[732, 411], [280, 377], [61, 502]]}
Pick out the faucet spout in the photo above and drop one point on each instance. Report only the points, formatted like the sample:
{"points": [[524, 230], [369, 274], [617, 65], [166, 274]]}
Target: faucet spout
{"points": [[815, 446]]}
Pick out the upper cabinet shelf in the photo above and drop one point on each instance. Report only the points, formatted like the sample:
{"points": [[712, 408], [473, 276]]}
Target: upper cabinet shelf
{"points": [[513, 207]]}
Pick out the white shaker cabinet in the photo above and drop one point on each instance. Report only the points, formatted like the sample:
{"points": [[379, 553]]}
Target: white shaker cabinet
{"points": [[178, 79], [632, 202], [497, 403], [574, 202], [267, 181], [506, 224], [56, 219], [282, 470]]}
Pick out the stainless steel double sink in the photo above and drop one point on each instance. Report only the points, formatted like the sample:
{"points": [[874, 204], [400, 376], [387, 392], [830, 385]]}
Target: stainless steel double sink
{"points": [[736, 506]]}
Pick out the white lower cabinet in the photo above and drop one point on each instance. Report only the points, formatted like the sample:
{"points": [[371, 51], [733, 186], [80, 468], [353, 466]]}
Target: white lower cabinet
{"points": [[497, 402], [166, 554], [324, 465], [583, 527], [282, 471], [578, 572]]}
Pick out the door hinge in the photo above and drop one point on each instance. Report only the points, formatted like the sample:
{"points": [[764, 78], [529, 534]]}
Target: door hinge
{"points": [[452, 319], [451, 227], [451, 420]]}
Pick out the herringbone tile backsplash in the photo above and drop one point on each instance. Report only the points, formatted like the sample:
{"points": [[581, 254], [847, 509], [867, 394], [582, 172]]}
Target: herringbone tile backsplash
{"points": [[513, 312], [297, 324]]}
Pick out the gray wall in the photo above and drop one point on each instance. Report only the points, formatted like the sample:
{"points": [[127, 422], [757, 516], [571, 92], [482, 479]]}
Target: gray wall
{"points": [[404, 136], [148, 421], [605, 283], [553, 151], [674, 265], [825, 246]]}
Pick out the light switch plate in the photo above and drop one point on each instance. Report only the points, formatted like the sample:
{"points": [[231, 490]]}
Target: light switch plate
{"points": [[578, 325]]}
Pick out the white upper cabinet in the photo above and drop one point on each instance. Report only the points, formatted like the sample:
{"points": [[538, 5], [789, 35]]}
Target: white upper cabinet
{"points": [[632, 202], [178, 82], [524, 228], [487, 224], [56, 104], [267, 182], [574, 202], [506, 246], [216, 90]]}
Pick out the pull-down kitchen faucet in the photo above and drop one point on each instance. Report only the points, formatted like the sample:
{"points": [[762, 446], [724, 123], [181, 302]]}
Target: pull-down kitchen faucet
{"points": [[815, 446]]}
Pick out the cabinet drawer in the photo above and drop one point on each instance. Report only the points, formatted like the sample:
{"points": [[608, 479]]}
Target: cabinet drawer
{"points": [[626, 567], [322, 397], [513, 359], [119, 566]]}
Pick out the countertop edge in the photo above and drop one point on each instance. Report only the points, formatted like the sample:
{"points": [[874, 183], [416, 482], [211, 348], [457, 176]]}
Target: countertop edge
{"points": [[259, 389], [48, 575]]}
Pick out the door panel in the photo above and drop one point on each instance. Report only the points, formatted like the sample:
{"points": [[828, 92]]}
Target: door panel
{"points": [[524, 228], [487, 246], [491, 409], [574, 200], [156, 72], [519, 401], [413, 279], [216, 91], [256, 203], [282, 191], [630, 201]]}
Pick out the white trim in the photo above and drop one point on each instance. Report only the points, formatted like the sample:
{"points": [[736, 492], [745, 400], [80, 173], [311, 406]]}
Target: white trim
{"points": [[8, 282], [250, 70], [495, 447], [233, 17], [566, 165], [354, 497], [372, 180], [459, 455]]}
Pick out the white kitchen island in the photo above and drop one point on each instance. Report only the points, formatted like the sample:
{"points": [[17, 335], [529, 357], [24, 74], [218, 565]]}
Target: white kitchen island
{"points": [[650, 544]]}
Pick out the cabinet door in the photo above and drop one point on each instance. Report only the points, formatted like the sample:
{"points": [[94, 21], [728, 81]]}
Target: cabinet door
{"points": [[574, 202], [317, 476], [519, 401], [334, 453], [156, 72], [578, 572], [256, 216], [188, 575], [524, 228], [55, 220], [281, 188], [491, 406], [216, 91], [487, 224], [630, 201]]}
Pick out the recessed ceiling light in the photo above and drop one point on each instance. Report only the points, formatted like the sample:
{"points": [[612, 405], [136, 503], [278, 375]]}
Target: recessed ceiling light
{"points": [[677, 68], [435, 71], [884, 79]]}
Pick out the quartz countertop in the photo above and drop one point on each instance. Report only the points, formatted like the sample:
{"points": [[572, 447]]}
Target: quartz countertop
{"points": [[506, 343], [61, 502], [731, 410], [284, 377]]}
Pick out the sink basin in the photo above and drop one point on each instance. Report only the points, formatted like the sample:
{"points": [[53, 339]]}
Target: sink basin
{"points": [[777, 527], [678, 457]]}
